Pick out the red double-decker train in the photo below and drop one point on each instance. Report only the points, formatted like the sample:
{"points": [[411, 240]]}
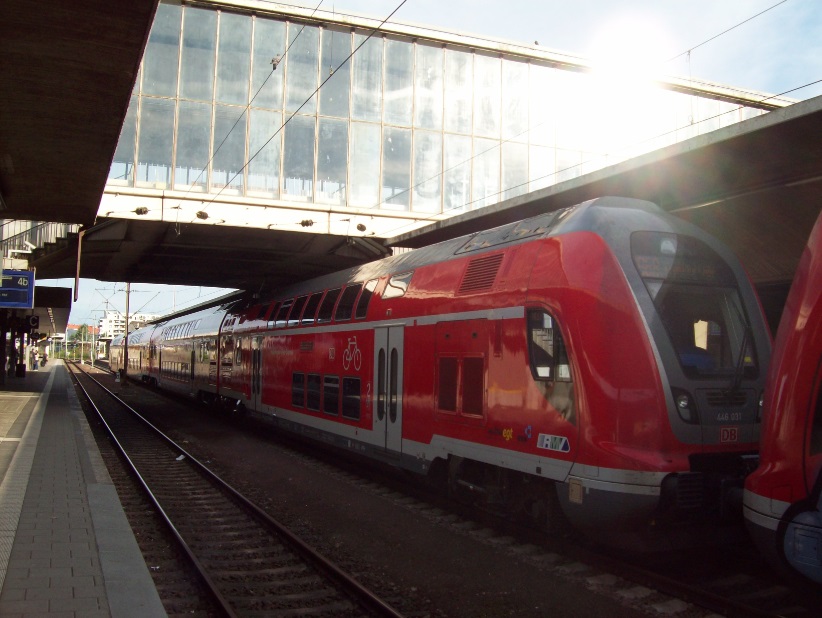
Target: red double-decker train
{"points": [[783, 497], [606, 358]]}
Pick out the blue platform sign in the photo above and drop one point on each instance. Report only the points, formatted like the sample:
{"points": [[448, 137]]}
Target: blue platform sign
{"points": [[17, 289]]}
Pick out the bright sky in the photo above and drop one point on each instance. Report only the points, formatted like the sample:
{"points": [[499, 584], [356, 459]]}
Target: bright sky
{"points": [[770, 50], [777, 51]]}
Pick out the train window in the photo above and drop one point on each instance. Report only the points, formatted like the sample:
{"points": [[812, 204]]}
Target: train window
{"points": [[331, 395], [694, 292], [228, 347], [365, 299], [381, 385], [393, 383], [397, 285], [298, 389], [549, 359], [351, 398], [312, 391], [447, 396], [473, 385], [238, 352], [272, 314], [282, 314], [549, 363], [327, 306], [296, 310], [311, 308], [345, 308]]}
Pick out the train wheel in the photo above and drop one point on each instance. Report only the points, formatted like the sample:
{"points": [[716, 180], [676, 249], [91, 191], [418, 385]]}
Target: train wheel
{"points": [[538, 505], [454, 471], [239, 411]]}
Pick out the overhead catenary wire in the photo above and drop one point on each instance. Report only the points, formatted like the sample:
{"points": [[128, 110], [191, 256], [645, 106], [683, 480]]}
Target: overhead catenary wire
{"points": [[302, 105], [724, 32], [276, 60], [506, 189], [432, 218], [436, 217]]}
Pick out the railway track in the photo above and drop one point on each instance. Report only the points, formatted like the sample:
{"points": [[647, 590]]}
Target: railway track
{"points": [[728, 581], [702, 583], [250, 564]]}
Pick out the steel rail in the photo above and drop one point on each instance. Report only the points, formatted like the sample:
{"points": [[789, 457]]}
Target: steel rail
{"points": [[223, 603], [354, 588]]}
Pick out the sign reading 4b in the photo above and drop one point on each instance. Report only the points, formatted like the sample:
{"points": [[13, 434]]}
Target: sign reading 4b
{"points": [[17, 289]]}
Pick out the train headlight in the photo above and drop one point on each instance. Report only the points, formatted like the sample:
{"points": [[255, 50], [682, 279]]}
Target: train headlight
{"points": [[685, 406], [760, 406]]}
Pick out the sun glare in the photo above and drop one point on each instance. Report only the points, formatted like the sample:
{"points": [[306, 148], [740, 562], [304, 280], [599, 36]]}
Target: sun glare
{"points": [[623, 109], [631, 48]]}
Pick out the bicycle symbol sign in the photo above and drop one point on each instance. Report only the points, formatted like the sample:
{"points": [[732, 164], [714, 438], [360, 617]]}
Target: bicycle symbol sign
{"points": [[352, 353]]}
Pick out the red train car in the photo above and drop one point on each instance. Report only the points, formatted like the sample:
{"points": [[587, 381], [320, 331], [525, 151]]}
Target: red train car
{"points": [[783, 497], [605, 357]]}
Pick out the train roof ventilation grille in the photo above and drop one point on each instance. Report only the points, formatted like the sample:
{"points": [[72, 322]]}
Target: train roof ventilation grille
{"points": [[480, 274]]}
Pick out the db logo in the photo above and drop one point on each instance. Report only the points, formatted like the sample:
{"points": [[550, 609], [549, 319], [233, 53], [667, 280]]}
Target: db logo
{"points": [[729, 434]]}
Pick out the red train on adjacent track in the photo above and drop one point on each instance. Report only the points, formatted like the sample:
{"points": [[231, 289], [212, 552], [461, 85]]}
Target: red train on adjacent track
{"points": [[783, 497], [607, 357]]}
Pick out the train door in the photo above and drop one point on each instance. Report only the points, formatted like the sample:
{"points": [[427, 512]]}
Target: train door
{"points": [[256, 372], [388, 353]]}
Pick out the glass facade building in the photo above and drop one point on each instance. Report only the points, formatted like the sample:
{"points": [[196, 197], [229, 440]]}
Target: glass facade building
{"points": [[280, 108]]}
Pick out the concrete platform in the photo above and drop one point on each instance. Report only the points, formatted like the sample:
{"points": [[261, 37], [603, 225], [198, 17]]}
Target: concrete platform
{"points": [[66, 548]]}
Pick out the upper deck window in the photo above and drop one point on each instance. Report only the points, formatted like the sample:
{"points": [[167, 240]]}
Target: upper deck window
{"points": [[345, 308], [397, 285], [311, 308], [365, 299], [296, 310], [327, 306], [272, 314], [282, 314]]}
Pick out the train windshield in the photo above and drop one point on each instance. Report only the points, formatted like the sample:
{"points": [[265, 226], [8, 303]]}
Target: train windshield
{"points": [[696, 297]]}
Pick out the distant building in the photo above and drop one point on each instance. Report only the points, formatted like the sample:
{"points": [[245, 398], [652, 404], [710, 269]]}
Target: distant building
{"points": [[93, 331], [113, 323]]}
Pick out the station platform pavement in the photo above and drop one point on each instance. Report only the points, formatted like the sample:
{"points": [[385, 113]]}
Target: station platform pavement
{"points": [[66, 548]]}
